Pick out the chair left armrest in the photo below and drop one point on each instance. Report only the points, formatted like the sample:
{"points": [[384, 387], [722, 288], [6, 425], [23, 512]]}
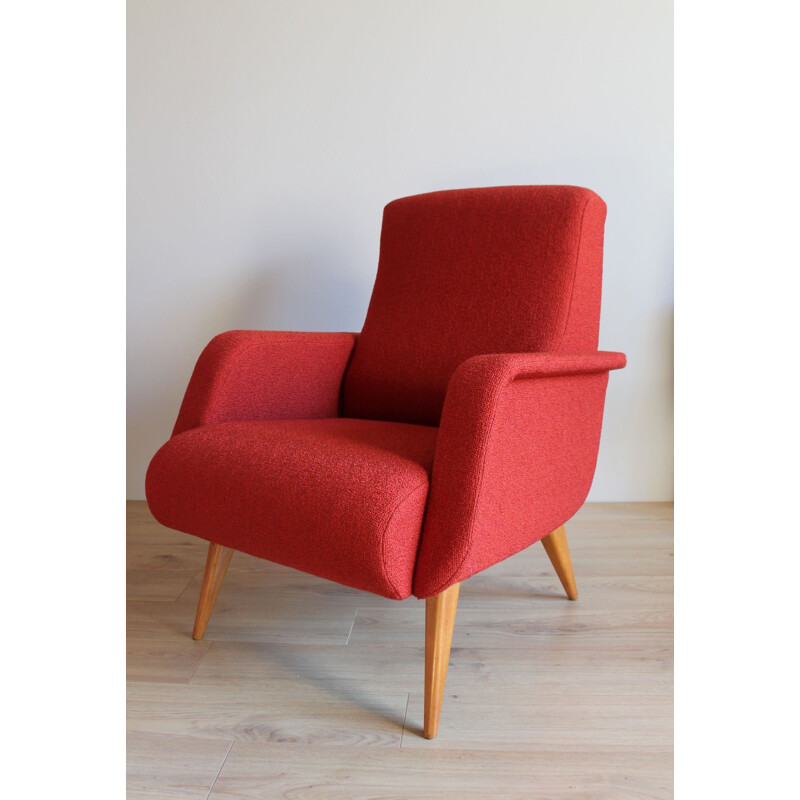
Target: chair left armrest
{"points": [[515, 458]]}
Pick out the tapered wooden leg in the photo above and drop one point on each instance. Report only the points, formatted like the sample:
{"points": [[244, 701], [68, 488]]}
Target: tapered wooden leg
{"points": [[557, 548], [217, 562], [440, 614]]}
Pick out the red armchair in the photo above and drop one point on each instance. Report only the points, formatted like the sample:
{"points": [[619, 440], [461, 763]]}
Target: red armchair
{"points": [[461, 426]]}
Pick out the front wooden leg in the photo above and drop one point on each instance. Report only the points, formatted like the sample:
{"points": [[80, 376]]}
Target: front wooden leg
{"points": [[217, 562], [557, 548], [440, 614]]}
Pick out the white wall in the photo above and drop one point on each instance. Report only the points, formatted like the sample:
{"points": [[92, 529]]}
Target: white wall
{"points": [[265, 137]]}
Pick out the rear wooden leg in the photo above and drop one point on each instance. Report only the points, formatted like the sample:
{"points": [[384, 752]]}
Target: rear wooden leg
{"points": [[557, 548], [217, 562], [440, 614]]}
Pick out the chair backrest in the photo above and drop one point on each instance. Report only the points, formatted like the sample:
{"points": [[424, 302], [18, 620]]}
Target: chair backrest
{"points": [[473, 271]]}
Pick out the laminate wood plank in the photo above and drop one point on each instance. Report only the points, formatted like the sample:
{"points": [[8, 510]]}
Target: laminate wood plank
{"points": [[272, 618], [592, 558], [157, 556], [513, 627], [608, 667], [258, 771], [623, 511], [149, 531], [571, 720], [145, 584], [280, 713], [163, 661], [600, 530], [606, 592], [172, 767]]}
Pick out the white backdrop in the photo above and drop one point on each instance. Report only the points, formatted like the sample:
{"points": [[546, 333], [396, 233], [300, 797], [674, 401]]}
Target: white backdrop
{"points": [[265, 137]]}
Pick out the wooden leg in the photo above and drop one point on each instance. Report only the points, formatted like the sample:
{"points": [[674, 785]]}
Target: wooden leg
{"points": [[217, 562], [440, 614], [557, 548]]}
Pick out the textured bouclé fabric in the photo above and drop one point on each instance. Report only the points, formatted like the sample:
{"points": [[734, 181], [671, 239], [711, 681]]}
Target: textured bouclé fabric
{"points": [[505, 270], [339, 498], [461, 425], [244, 375], [515, 458]]}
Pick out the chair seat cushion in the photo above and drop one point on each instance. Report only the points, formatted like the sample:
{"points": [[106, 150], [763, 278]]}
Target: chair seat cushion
{"points": [[343, 499]]}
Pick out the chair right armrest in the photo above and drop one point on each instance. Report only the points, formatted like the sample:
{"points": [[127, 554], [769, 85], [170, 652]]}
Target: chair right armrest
{"points": [[515, 458]]}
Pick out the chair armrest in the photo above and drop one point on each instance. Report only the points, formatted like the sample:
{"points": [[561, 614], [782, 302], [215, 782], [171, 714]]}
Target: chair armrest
{"points": [[253, 375], [515, 458]]}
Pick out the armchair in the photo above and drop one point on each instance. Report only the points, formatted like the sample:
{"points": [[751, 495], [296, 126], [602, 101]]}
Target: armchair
{"points": [[459, 427]]}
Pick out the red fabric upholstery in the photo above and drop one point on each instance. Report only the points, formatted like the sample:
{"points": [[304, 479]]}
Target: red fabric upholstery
{"points": [[505, 270], [245, 375], [484, 317], [339, 498], [515, 458]]}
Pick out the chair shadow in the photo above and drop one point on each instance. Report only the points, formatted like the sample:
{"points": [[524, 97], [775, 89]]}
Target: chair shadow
{"points": [[311, 670]]}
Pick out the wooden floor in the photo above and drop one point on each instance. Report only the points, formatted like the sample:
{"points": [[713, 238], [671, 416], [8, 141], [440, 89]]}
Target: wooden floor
{"points": [[306, 689]]}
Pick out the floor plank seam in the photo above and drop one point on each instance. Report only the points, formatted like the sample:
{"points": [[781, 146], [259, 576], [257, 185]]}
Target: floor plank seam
{"points": [[216, 777], [352, 625], [405, 717], [200, 661], [186, 588]]}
